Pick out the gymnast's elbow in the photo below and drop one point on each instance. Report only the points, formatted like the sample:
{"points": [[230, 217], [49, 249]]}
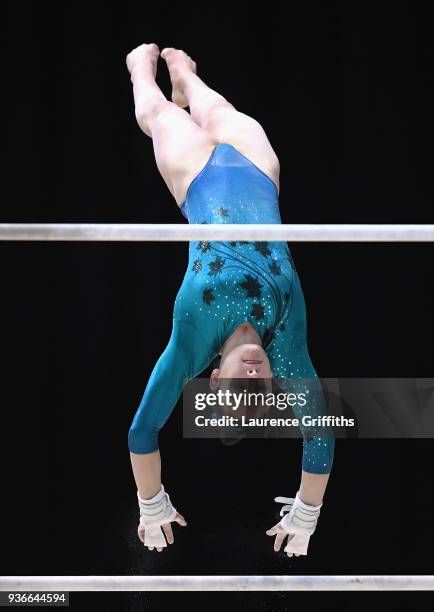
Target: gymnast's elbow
{"points": [[142, 440]]}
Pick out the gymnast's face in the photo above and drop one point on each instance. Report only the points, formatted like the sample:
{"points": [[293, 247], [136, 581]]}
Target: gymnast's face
{"points": [[243, 361], [245, 367]]}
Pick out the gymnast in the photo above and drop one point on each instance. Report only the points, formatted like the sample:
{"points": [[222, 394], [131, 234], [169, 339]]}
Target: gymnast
{"points": [[241, 301]]}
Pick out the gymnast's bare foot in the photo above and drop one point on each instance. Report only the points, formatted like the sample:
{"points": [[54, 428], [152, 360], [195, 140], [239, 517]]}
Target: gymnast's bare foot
{"points": [[180, 65], [144, 58]]}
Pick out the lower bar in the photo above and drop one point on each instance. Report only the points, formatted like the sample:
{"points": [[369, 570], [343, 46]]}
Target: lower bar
{"points": [[216, 583]]}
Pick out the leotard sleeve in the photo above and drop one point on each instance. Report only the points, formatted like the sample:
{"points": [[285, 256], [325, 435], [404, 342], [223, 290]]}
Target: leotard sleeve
{"points": [[292, 367], [185, 356]]}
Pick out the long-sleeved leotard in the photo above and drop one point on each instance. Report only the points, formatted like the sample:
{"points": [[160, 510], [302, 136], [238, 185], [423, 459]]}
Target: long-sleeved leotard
{"points": [[228, 283]]}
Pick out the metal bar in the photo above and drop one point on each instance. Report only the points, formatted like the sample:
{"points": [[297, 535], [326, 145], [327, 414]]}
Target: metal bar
{"points": [[217, 583], [168, 232]]}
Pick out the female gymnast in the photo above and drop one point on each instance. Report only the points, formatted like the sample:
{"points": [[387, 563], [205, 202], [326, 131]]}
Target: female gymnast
{"points": [[240, 300]]}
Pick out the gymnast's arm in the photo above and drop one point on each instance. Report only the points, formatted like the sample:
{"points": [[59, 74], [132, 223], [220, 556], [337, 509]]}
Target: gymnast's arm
{"points": [[185, 356], [160, 397], [318, 443]]}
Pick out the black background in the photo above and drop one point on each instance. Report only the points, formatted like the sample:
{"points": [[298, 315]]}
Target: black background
{"points": [[345, 93]]}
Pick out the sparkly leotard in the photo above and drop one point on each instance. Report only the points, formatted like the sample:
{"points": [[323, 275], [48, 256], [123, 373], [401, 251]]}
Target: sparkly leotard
{"points": [[228, 283]]}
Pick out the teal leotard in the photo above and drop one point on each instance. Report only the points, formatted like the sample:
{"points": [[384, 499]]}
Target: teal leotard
{"points": [[228, 283]]}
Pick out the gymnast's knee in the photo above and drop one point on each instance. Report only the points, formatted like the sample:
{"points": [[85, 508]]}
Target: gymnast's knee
{"points": [[216, 112], [155, 109], [142, 440]]}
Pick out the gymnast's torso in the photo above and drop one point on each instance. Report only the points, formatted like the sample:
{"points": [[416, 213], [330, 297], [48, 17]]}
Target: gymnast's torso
{"points": [[226, 284]]}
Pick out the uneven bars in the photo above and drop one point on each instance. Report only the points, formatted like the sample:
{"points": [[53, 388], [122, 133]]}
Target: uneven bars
{"points": [[172, 232], [217, 583]]}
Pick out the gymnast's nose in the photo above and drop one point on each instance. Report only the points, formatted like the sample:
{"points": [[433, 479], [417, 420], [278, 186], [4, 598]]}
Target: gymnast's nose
{"points": [[253, 371]]}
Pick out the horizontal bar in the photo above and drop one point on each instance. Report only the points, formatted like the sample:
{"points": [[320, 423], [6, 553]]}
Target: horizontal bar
{"points": [[216, 583], [172, 232]]}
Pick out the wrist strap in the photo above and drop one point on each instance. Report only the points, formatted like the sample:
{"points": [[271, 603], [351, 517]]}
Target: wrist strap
{"points": [[306, 507], [157, 509], [153, 500], [301, 516]]}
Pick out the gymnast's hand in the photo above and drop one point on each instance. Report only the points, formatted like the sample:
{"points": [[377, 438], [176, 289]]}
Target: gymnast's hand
{"points": [[156, 514], [298, 524]]}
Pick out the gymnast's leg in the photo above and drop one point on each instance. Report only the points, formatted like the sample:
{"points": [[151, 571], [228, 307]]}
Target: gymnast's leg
{"points": [[181, 146], [212, 112]]}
